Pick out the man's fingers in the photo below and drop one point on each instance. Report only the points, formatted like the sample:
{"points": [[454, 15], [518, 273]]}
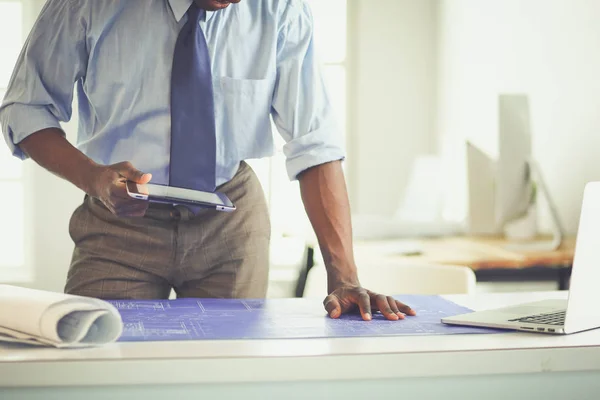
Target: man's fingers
{"points": [[132, 211], [146, 177], [363, 301], [405, 309], [381, 302], [332, 306], [344, 299], [119, 200], [394, 307], [129, 208], [118, 190], [129, 172]]}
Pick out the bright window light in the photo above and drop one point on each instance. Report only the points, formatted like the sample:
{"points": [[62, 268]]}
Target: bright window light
{"points": [[12, 209], [330, 29], [11, 28]]}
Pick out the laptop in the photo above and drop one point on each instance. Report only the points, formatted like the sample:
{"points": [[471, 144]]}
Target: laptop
{"points": [[580, 311]]}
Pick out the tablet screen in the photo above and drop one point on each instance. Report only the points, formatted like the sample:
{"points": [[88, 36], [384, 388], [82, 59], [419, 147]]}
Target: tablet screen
{"points": [[180, 193]]}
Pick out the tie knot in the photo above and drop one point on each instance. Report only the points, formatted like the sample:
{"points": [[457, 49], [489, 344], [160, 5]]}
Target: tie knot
{"points": [[194, 12]]}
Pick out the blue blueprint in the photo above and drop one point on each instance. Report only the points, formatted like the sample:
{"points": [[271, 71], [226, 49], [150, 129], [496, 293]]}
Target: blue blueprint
{"points": [[198, 319]]}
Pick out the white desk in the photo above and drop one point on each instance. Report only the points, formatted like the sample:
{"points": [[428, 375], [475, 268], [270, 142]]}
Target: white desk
{"points": [[497, 366]]}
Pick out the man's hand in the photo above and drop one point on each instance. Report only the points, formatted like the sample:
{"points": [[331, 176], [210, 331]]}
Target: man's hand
{"points": [[108, 185], [49, 148], [326, 201], [350, 297]]}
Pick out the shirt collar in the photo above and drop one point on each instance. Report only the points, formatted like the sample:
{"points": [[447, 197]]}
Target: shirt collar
{"points": [[180, 7]]}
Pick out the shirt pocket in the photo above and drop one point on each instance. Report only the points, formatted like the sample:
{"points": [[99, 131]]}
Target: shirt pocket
{"points": [[242, 110]]}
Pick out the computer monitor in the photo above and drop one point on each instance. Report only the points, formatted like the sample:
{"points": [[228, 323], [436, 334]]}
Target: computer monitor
{"points": [[503, 191], [514, 185]]}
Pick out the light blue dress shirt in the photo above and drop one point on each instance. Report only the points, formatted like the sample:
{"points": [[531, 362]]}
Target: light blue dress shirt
{"points": [[118, 54]]}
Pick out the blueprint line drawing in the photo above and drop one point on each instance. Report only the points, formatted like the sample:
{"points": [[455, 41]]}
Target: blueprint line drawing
{"points": [[218, 319]]}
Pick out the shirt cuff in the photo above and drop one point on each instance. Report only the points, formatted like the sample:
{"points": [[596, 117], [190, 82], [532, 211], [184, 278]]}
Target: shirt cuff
{"points": [[20, 121], [312, 149]]}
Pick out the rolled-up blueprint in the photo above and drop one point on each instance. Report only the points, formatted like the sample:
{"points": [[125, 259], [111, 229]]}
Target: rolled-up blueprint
{"points": [[55, 319]]}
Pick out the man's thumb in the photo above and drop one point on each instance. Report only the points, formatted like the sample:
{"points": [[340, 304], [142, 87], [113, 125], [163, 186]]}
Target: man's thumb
{"points": [[129, 172], [332, 306]]}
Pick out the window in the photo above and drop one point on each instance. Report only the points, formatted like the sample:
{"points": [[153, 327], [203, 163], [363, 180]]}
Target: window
{"points": [[330, 34], [287, 210], [12, 208]]}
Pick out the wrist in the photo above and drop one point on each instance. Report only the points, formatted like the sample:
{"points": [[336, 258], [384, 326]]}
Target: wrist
{"points": [[340, 277]]}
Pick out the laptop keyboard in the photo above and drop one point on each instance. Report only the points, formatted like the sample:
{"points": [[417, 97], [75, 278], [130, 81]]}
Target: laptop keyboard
{"points": [[556, 318]]}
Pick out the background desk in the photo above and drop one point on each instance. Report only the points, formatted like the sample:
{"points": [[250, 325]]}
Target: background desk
{"points": [[498, 366], [491, 259]]}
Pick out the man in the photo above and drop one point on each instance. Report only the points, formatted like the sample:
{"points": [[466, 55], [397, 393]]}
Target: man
{"points": [[183, 90]]}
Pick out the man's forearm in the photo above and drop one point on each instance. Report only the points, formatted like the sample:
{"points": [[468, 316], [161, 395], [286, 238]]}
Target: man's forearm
{"points": [[52, 151], [325, 198]]}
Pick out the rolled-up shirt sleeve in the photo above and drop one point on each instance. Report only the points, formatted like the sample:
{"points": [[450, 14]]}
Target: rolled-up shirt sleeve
{"points": [[40, 91], [302, 110]]}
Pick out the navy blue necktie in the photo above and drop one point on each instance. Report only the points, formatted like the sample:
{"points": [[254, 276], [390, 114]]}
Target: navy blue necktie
{"points": [[193, 143]]}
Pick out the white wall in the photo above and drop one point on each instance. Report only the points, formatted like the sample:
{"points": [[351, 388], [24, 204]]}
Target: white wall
{"points": [[391, 97], [548, 49]]}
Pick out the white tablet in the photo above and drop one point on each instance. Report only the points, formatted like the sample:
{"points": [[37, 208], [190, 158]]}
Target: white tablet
{"points": [[175, 195]]}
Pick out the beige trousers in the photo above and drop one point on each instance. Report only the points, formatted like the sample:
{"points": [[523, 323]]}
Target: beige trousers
{"points": [[211, 254]]}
